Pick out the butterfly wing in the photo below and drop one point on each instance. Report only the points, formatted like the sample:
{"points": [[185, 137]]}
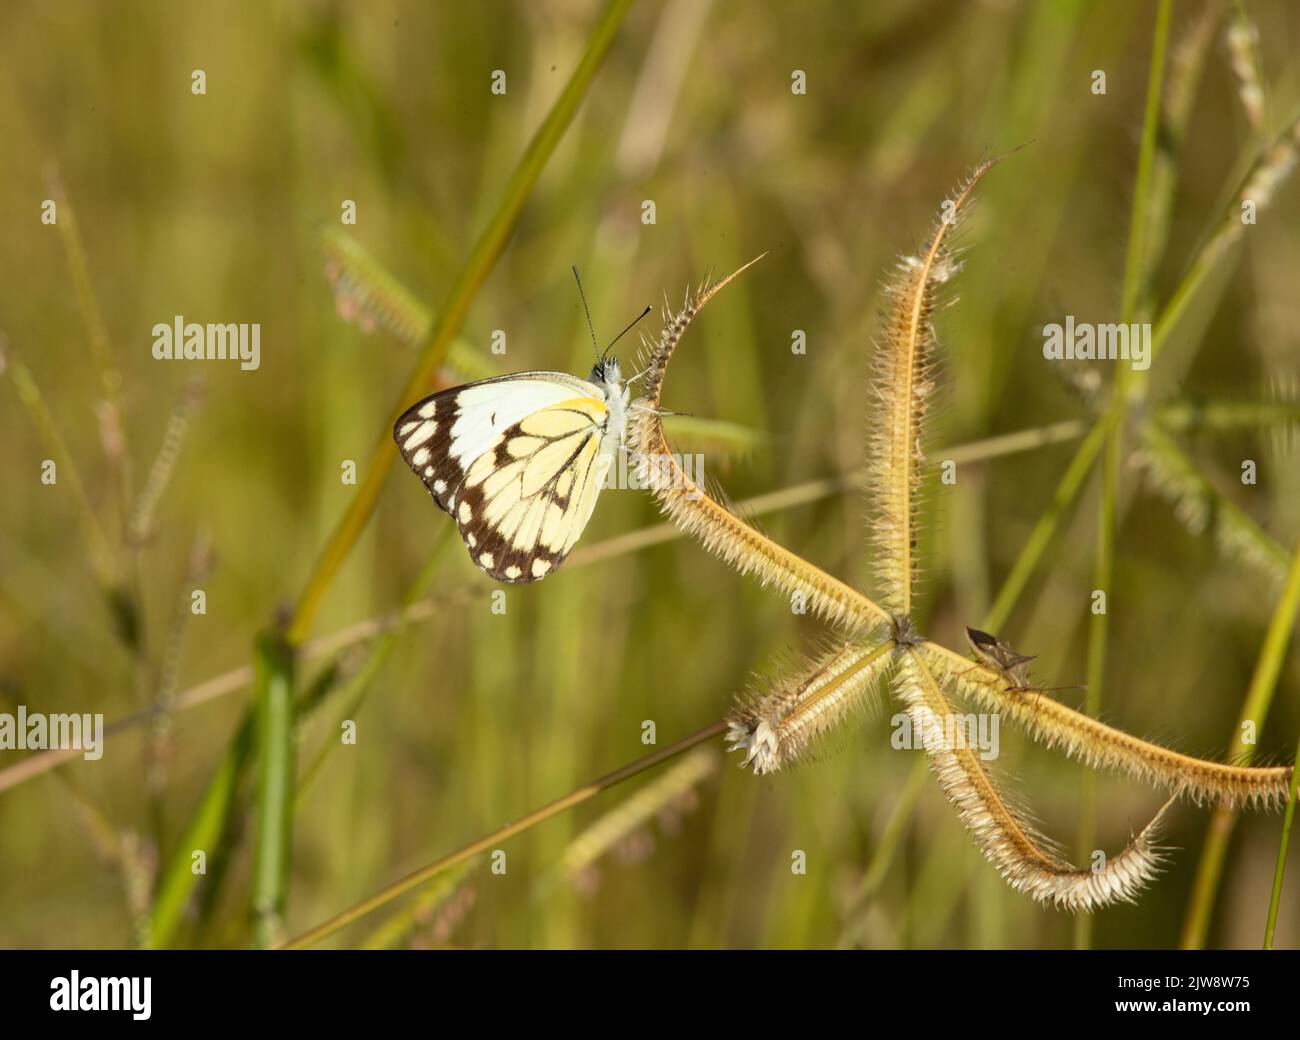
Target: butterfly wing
{"points": [[517, 461]]}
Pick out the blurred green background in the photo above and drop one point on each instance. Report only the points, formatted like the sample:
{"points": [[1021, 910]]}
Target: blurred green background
{"points": [[213, 207]]}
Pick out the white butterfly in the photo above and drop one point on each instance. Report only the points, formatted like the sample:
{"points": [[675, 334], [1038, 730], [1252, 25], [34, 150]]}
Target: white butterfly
{"points": [[518, 461]]}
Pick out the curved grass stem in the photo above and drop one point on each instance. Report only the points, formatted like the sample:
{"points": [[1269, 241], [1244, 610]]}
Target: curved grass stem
{"points": [[483, 844]]}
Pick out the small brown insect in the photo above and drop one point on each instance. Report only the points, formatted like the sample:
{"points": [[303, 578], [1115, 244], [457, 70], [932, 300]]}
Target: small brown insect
{"points": [[997, 654]]}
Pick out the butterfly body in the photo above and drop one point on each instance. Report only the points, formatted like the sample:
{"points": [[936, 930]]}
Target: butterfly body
{"points": [[518, 461]]}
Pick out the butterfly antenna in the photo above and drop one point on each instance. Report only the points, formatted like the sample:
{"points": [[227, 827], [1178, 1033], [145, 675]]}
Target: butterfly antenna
{"points": [[587, 311], [630, 327]]}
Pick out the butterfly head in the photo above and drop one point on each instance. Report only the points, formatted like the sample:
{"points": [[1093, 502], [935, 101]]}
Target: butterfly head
{"points": [[606, 372]]}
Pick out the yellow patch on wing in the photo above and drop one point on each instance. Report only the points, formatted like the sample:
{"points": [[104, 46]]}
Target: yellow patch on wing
{"points": [[558, 420]]}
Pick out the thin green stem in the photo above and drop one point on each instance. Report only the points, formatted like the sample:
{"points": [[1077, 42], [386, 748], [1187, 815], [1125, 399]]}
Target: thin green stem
{"points": [[274, 842], [1187, 63], [1259, 697], [87, 303], [1066, 492], [359, 685], [1098, 637], [891, 839], [200, 838], [1221, 416], [1136, 262], [1275, 897], [92, 317], [29, 393]]}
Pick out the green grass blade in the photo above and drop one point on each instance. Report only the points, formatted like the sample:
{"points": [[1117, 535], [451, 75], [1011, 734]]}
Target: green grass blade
{"points": [[1187, 63], [29, 394], [1041, 536], [274, 841], [201, 834], [1259, 698], [359, 685], [1137, 263], [1098, 636], [1275, 896]]}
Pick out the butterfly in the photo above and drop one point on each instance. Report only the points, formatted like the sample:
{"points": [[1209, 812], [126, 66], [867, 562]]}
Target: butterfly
{"points": [[518, 461]]}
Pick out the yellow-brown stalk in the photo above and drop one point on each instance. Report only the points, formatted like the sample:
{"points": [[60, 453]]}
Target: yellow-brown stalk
{"points": [[779, 726]]}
